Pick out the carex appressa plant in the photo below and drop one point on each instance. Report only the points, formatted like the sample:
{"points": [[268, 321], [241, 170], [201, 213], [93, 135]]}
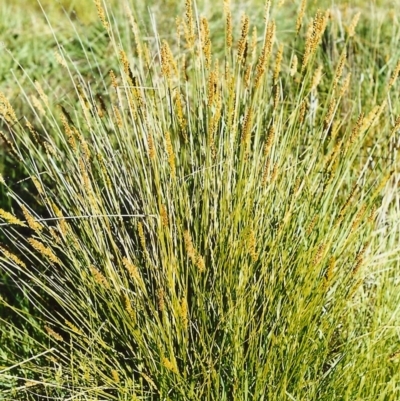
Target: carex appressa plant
{"points": [[214, 226]]}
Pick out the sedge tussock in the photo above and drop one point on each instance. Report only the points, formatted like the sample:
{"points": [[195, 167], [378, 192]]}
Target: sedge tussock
{"points": [[209, 208]]}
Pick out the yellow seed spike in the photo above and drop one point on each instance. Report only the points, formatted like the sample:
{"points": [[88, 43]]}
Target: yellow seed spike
{"points": [[171, 154], [11, 219], [75, 329], [228, 24], [141, 235], [242, 45], [42, 95], [99, 277], [53, 334], [132, 269], [394, 75], [189, 245], [42, 249], [293, 68], [278, 61], [6, 110], [339, 69], [206, 42], [189, 24], [60, 59], [32, 223], [246, 130], [169, 365], [200, 264], [316, 77], [265, 52], [160, 299], [329, 272], [164, 216], [252, 246], [184, 313], [300, 16], [115, 376], [102, 15], [12, 257], [353, 24]]}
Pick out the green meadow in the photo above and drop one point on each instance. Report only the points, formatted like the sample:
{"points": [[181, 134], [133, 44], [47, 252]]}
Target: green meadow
{"points": [[199, 200]]}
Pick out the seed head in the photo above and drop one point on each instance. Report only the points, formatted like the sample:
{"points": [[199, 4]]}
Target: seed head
{"points": [[353, 24], [11, 219], [171, 154], [6, 110], [242, 45], [206, 41], [300, 16], [189, 245], [293, 67], [228, 24], [102, 15], [53, 334], [278, 62], [45, 251], [12, 257], [32, 223], [98, 277]]}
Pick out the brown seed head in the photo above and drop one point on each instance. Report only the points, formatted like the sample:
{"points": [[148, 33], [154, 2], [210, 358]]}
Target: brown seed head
{"points": [[242, 45], [53, 334]]}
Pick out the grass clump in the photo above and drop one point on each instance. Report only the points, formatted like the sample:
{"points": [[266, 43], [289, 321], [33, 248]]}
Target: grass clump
{"points": [[211, 226]]}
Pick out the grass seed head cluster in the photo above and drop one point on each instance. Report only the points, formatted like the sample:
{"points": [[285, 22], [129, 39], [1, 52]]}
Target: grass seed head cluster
{"points": [[209, 224]]}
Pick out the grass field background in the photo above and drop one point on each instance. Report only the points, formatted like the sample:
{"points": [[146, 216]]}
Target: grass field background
{"points": [[199, 201]]}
